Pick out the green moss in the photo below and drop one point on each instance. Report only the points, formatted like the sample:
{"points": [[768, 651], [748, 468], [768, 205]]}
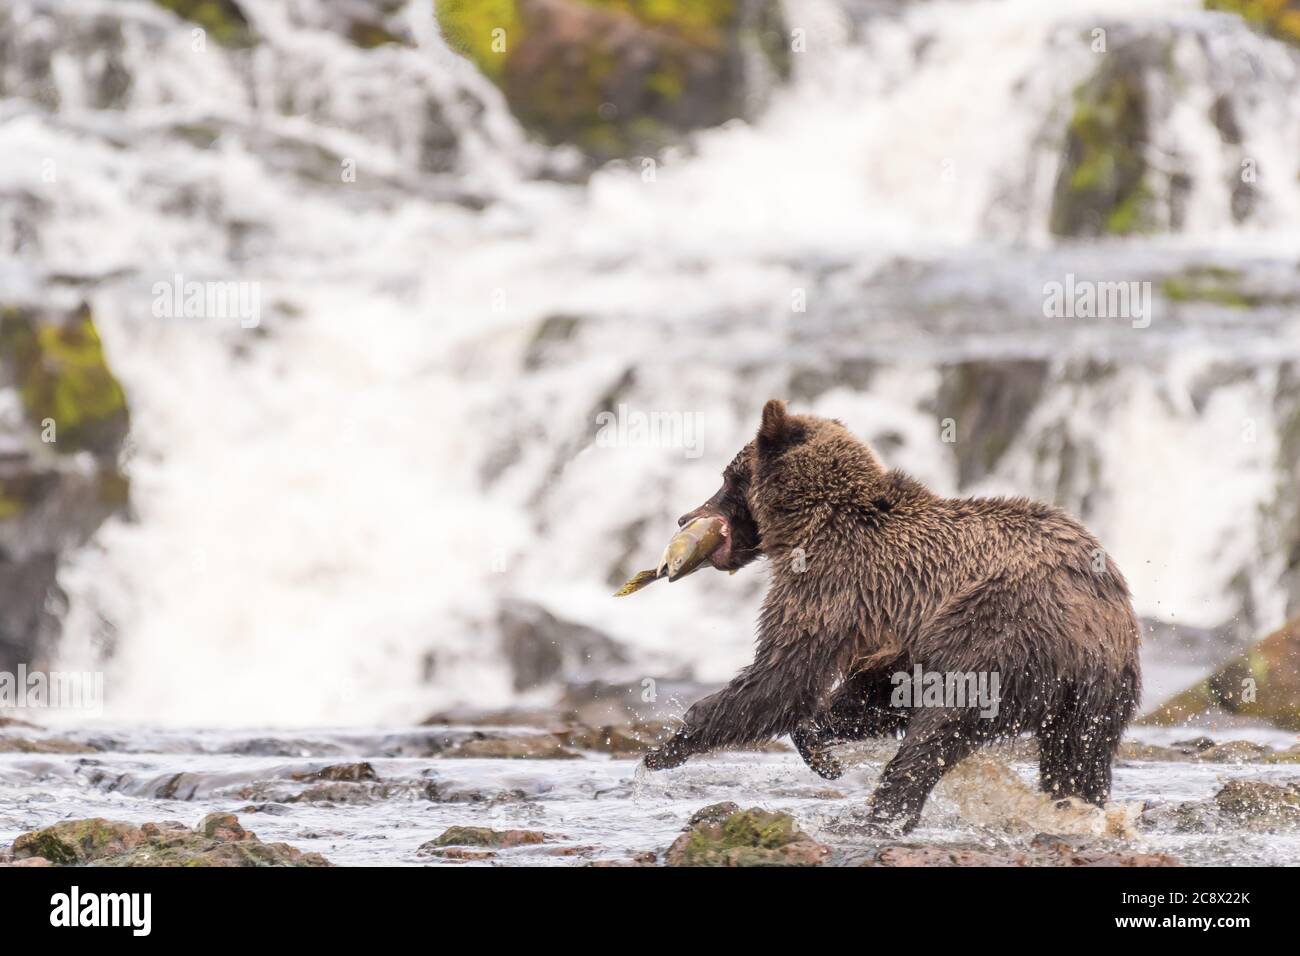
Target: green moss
{"points": [[743, 838], [1278, 18], [468, 836], [1213, 284], [568, 98], [469, 26], [10, 506], [1130, 216], [1102, 188], [702, 21], [75, 841], [223, 20], [62, 375]]}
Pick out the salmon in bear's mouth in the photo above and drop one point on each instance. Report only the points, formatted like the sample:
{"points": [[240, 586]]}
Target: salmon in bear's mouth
{"points": [[699, 539]]}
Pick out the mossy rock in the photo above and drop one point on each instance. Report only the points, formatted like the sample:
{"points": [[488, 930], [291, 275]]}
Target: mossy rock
{"points": [[78, 841], [618, 77], [1277, 18], [1222, 286], [1102, 186], [723, 835], [224, 20], [218, 840], [62, 375], [485, 837], [1263, 683]]}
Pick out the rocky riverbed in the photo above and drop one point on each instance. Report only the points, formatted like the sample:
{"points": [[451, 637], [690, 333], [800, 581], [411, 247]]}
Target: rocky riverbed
{"points": [[521, 788]]}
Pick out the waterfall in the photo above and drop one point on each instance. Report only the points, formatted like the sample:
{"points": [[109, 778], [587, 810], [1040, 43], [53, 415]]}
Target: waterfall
{"points": [[327, 508]]}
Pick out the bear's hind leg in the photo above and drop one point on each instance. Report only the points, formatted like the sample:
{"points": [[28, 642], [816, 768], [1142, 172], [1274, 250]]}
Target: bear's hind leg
{"points": [[1078, 742], [936, 741], [858, 709]]}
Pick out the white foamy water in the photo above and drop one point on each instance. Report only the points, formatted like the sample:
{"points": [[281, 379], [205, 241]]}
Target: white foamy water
{"points": [[327, 509]]}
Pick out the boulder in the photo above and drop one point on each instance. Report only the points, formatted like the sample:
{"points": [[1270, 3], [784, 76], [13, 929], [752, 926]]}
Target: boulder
{"points": [[219, 840], [1262, 684], [724, 835], [622, 77], [485, 837], [542, 648]]}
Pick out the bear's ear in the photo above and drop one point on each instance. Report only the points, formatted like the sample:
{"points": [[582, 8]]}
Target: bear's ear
{"points": [[775, 431]]}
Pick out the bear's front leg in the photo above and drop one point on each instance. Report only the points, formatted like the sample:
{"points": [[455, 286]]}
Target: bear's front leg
{"points": [[858, 709], [768, 698], [672, 753], [811, 738]]}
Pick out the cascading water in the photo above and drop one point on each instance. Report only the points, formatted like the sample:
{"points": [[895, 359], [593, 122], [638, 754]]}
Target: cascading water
{"points": [[327, 508]]}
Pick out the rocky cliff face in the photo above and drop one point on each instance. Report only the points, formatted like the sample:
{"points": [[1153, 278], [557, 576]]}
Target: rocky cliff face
{"points": [[62, 432]]}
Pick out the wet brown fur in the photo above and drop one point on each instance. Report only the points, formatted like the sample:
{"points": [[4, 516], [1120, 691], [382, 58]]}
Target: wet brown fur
{"points": [[871, 574]]}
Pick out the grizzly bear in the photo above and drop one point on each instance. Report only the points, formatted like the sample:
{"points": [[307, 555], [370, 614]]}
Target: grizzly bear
{"points": [[874, 576]]}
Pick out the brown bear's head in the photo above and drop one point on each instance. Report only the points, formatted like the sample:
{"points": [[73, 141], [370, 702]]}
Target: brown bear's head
{"points": [[795, 471]]}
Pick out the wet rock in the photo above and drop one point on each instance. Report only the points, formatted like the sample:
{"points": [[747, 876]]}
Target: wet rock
{"points": [[723, 835], [1187, 817], [548, 718], [989, 402], [462, 854], [219, 840], [1278, 18], [441, 792], [344, 772], [1203, 750], [1101, 187], [1237, 751], [482, 837], [1217, 285], [46, 745], [1257, 801], [542, 648], [533, 747], [281, 747], [632, 740], [59, 464], [224, 20], [552, 340], [648, 858], [1253, 805], [1263, 684], [618, 78]]}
